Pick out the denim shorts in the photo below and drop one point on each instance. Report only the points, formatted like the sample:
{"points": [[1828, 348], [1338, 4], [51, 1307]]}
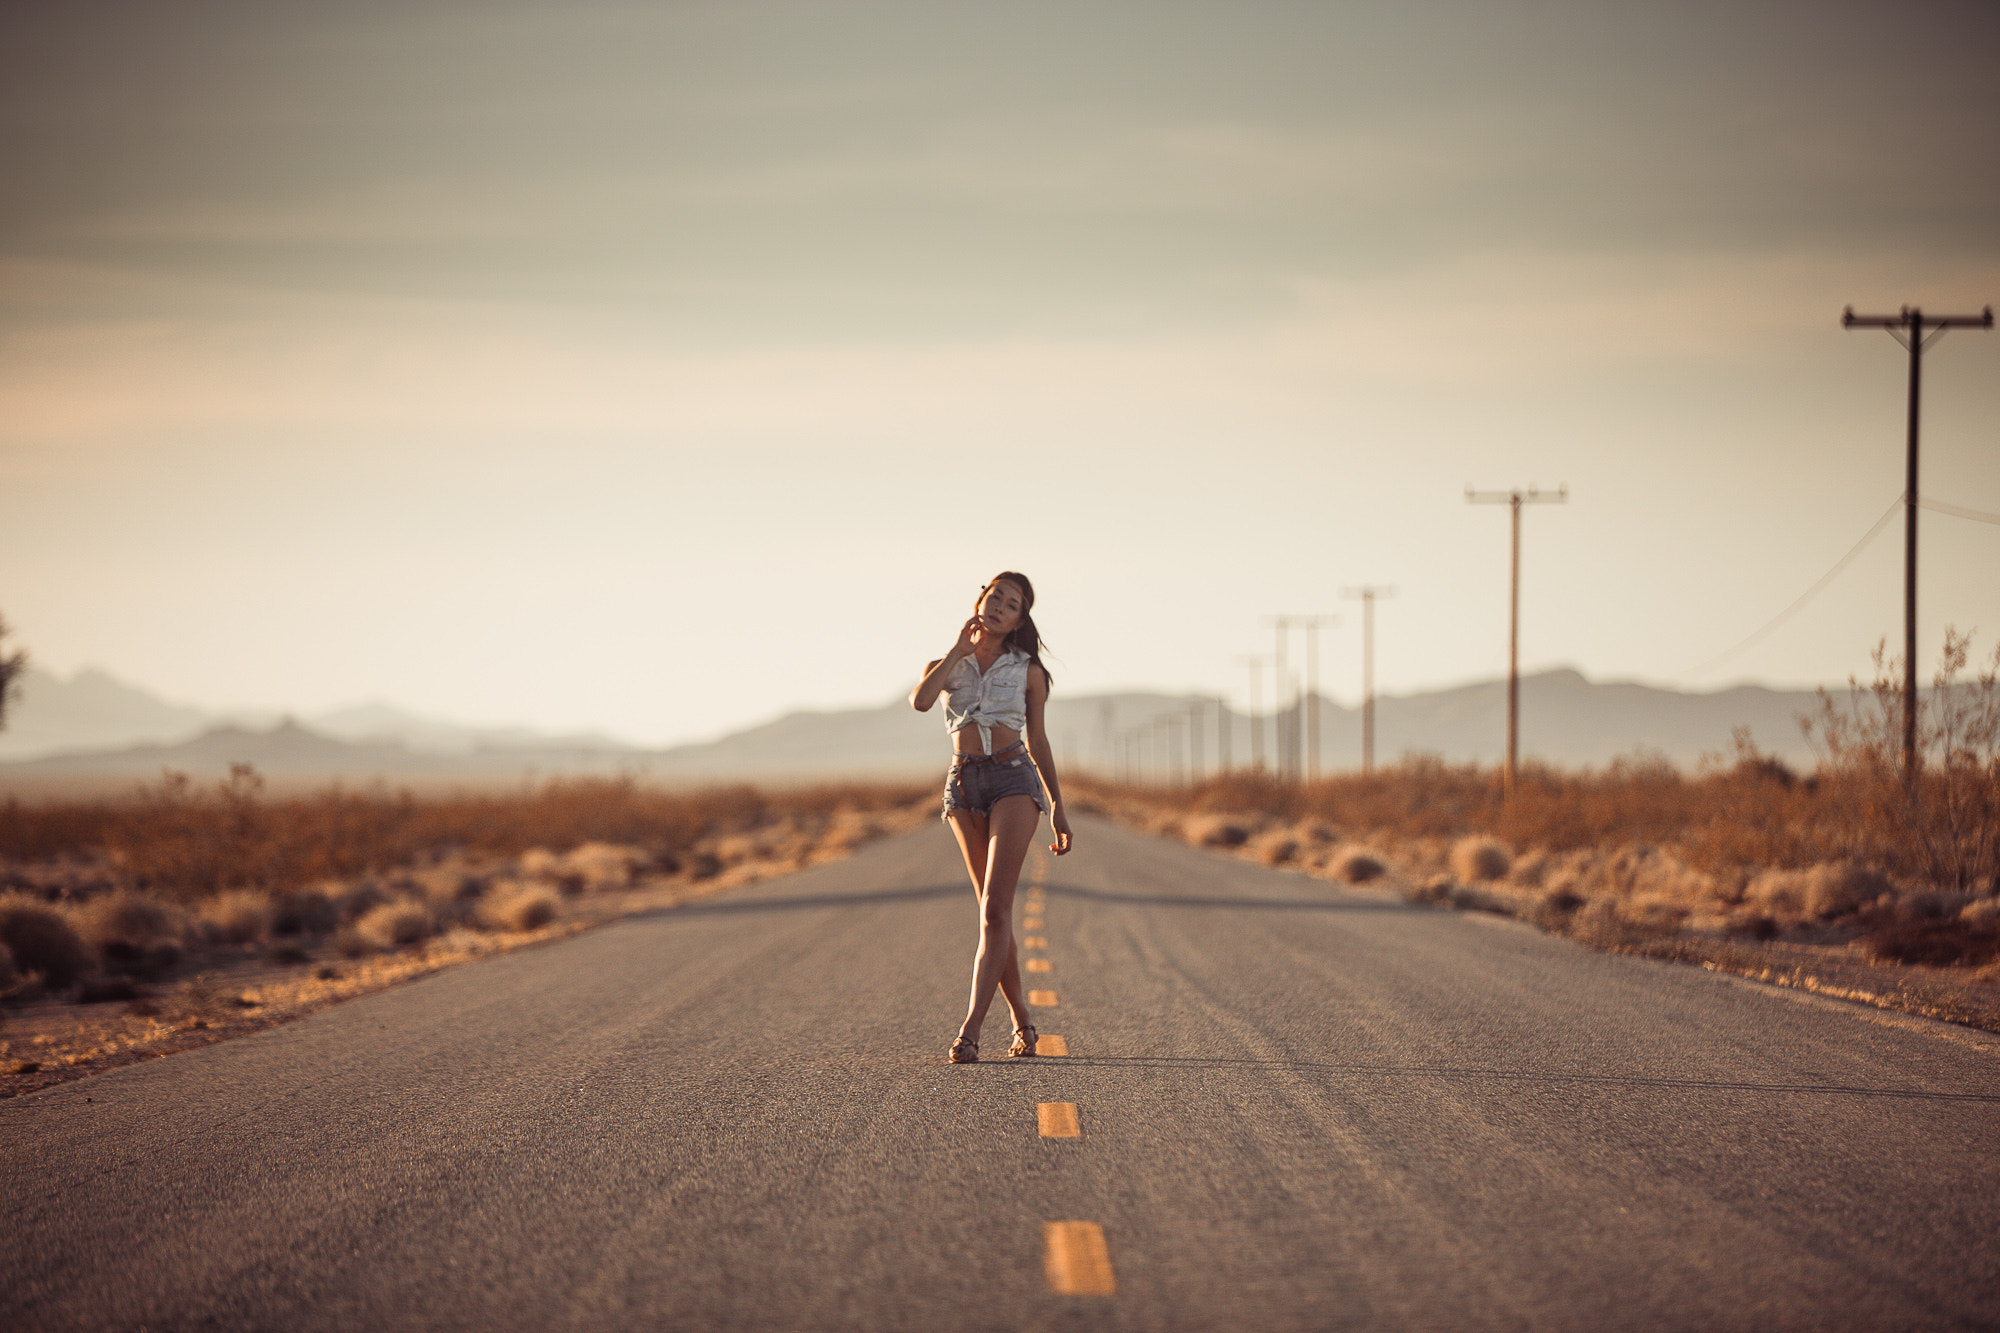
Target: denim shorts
{"points": [[976, 783]]}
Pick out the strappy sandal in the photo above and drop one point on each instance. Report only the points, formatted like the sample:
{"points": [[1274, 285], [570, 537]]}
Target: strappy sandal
{"points": [[964, 1052], [1024, 1041]]}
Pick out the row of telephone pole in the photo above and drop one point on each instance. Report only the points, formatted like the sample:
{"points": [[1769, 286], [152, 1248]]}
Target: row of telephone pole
{"points": [[1155, 746], [1157, 749]]}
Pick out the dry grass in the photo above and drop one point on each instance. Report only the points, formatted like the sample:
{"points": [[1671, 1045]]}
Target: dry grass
{"points": [[1730, 863], [1740, 815], [309, 901], [1476, 859], [396, 925], [238, 916], [182, 841], [519, 906], [133, 933], [1356, 866], [42, 942]]}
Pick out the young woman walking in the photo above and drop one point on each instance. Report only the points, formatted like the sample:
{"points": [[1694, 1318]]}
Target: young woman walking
{"points": [[995, 687]]}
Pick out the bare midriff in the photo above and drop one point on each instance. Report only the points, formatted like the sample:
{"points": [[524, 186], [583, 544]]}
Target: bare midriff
{"points": [[966, 739]]}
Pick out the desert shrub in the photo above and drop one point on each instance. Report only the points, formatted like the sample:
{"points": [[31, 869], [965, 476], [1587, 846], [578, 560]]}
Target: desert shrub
{"points": [[1599, 924], [303, 912], [519, 907], [1356, 866], [1945, 831], [1751, 924], [1476, 859], [1552, 910], [1529, 871], [449, 887], [348, 942], [394, 925], [237, 916], [353, 901], [1275, 847], [134, 933], [1817, 891], [1215, 831], [42, 941], [1903, 937], [603, 865]]}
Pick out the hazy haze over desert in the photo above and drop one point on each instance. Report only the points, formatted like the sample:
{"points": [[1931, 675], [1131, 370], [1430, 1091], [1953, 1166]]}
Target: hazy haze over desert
{"points": [[658, 370]]}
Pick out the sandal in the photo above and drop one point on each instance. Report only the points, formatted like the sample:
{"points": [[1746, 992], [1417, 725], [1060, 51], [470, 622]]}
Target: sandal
{"points": [[1024, 1041], [964, 1052]]}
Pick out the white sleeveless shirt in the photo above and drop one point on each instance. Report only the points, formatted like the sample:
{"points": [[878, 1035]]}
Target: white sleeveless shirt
{"points": [[995, 697]]}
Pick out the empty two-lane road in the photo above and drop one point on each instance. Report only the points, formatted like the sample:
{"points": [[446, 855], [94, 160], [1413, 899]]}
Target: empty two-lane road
{"points": [[1282, 1107]]}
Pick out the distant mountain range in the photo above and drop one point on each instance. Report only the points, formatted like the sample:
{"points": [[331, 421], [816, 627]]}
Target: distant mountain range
{"points": [[95, 711], [95, 731]]}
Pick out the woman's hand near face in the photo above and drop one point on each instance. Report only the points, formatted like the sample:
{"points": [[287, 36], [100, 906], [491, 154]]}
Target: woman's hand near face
{"points": [[968, 639], [932, 684]]}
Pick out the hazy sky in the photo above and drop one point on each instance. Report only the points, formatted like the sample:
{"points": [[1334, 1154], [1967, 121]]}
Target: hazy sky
{"points": [[660, 368]]}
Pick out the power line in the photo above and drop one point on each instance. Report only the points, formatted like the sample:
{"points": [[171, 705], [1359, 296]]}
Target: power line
{"points": [[1960, 511], [1804, 597]]}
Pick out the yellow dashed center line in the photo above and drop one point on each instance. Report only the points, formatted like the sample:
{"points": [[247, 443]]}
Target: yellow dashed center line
{"points": [[1042, 999], [1039, 965], [1057, 1120], [1075, 1259], [1034, 942], [1050, 1044], [1031, 923]]}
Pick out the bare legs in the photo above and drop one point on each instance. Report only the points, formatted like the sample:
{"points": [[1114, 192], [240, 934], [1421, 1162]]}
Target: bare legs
{"points": [[994, 849]]}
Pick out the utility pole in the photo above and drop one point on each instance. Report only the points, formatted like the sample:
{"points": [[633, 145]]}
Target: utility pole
{"points": [[1368, 593], [1256, 665], [1221, 734], [1194, 740], [1514, 499], [1909, 328], [1281, 732], [1311, 625]]}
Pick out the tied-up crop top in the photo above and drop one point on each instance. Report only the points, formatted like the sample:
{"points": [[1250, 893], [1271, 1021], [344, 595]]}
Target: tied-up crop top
{"points": [[995, 697]]}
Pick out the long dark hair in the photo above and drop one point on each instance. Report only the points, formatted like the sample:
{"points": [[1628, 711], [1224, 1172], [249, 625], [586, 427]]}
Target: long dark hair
{"points": [[1024, 637]]}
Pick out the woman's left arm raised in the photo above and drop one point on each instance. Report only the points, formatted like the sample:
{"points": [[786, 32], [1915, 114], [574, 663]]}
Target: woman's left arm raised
{"points": [[1045, 760]]}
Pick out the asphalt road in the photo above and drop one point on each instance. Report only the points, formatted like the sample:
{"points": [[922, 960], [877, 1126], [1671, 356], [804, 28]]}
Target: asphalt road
{"points": [[1296, 1108]]}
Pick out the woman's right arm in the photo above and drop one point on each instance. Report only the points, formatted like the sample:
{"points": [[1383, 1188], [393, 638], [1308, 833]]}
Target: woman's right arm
{"points": [[932, 685]]}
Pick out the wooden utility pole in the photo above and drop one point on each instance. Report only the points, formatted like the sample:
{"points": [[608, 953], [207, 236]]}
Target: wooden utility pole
{"points": [[1281, 731], [1221, 734], [1916, 331], [1312, 625], [1194, 740], [1256, 665], [1514, 499], [1368, 593]]}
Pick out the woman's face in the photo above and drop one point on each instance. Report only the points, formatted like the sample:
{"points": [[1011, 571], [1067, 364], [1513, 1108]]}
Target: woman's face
{"points": [[1001, 608]]}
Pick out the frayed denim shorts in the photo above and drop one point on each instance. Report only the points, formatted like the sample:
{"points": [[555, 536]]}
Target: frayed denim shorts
{"points": [[978, 783]]}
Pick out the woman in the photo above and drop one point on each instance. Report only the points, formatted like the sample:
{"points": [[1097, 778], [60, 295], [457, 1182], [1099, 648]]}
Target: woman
{"points": [[995, 688]]}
